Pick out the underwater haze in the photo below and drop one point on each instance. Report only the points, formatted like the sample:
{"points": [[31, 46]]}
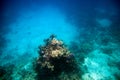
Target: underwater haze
{"points": [[90, 29]]}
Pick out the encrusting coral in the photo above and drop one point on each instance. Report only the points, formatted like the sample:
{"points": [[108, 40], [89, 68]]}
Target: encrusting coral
{"points": [[54, 58]]}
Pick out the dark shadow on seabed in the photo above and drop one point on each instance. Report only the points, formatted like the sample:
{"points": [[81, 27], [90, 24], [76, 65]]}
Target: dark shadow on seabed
{"points": [[8, 15], [115, 28]]}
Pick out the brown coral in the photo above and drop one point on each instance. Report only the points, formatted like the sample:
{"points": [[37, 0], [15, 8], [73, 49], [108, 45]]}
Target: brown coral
{"points": [[54, 57]]}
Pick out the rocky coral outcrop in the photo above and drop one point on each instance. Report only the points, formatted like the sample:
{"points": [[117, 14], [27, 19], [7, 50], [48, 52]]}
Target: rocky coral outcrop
{"points": [[54, 58]]}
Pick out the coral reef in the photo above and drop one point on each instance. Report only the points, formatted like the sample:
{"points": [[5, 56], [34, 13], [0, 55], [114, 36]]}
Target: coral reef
{"points": [[6, 71], [54, 58]]}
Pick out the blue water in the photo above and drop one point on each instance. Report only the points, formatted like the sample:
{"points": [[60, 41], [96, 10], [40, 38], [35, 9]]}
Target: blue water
{"points": [[89, 28]]}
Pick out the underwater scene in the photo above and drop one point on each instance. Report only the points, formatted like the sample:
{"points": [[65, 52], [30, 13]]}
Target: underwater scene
{"points": [[59, 40]]}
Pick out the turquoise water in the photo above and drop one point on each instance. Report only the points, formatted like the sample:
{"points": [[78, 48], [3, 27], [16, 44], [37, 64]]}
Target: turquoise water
{"points": [[90, 30]]}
